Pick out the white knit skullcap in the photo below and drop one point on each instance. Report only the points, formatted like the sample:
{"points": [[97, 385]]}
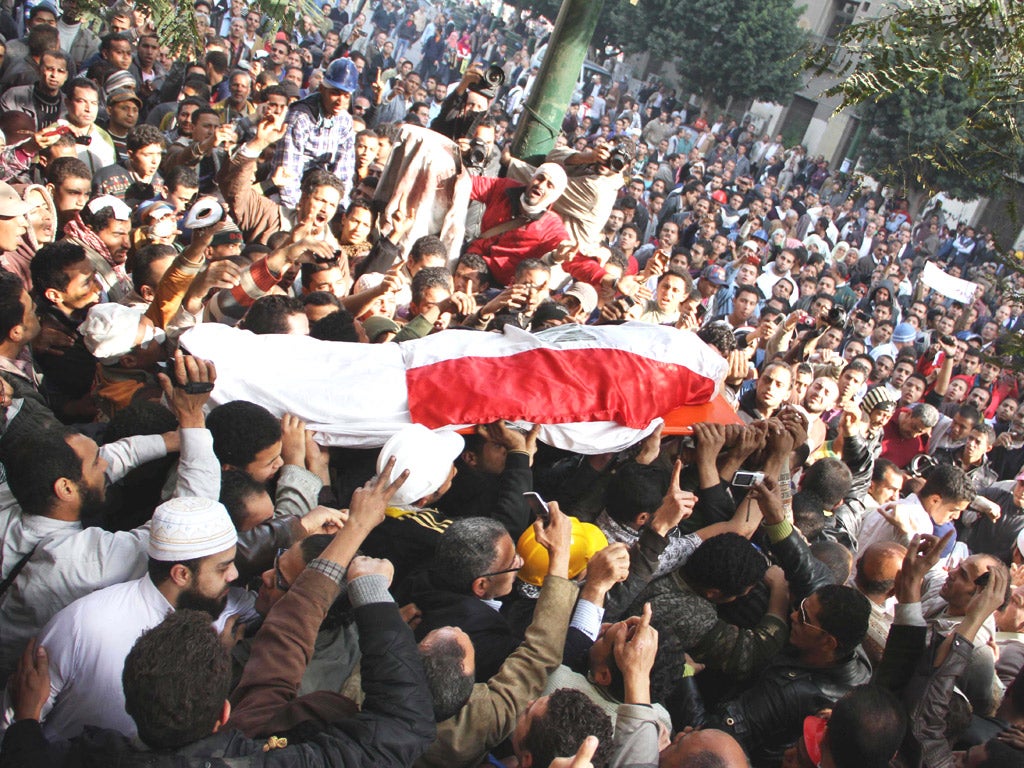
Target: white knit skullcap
{"points": [[187, 528], [426, 454]]}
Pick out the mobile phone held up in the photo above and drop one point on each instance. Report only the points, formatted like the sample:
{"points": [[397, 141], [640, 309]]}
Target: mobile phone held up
{"points": [[538, 506]]}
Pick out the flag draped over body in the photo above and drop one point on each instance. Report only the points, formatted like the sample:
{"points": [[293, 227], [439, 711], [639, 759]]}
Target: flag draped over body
{"points": [[595, 389]]}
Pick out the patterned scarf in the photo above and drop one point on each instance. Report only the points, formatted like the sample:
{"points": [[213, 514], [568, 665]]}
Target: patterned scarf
{"points": [[76, 229]]}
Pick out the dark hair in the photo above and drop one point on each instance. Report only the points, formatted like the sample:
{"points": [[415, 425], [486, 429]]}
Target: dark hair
{"points": [[218, 61], [141, 417], [337, 326], [866, 728], [37, 461], [176, 678], [99, 220], [727, 562], [837, 557], [571, 716], [65, 141], [182, 176], [450, 686], [159, 571], [430, 277], [428, 245], [808, 514], [751, 289], [950, 483], [969, 412], [205, 110], [466, 551], [308, 270], [881, 468], [719, 336], [269, 314], [236, 488], [114, 37], [676, 272], [12, 311], [142, 274], [634, 489], [320, 299], [476, 261], [313, 546], [142, 136], [194, 101], [49, 265], [829, 479], [63, 168], [844, 615], [59, 55], [41, 39], [315, 178], [240, 430], [987, 431], [526, 265]]}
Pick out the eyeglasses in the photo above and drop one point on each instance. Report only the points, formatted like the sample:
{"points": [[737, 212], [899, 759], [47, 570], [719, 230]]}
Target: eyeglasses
{"points": [[517, 564], [804, 620], [279, 581]]}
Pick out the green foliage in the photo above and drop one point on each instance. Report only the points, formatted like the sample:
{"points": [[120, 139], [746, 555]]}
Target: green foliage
{"points": [[744, 49], [918, 141], [176, 21], [939, 80]]}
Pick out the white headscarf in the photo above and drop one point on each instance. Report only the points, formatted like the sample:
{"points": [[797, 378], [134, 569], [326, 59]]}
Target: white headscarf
{"points": [[556, 175]]}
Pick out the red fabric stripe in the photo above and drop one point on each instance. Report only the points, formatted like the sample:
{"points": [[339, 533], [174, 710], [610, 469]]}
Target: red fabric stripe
{"points": [[552, 387]]}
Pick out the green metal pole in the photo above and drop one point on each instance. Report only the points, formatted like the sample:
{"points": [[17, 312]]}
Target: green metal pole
{"points": [[545, 108]]}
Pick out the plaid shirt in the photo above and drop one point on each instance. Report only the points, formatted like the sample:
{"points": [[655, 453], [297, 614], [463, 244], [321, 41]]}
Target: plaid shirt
{"points": [[315, 141]]}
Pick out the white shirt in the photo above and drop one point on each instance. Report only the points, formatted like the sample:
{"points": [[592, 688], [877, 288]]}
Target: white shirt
{"points": [[71, 561], [87, 643]]}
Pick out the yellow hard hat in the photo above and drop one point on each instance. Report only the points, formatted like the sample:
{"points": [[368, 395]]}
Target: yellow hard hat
{"points": [[587, 540]]}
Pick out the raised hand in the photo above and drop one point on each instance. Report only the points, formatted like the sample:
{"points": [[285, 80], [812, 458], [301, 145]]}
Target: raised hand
{"points": [[190, 390]]}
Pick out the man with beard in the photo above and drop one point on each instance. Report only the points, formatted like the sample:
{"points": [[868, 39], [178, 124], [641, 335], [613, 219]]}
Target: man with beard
{"points": [[519, 226], [191, 563], [103, 230], [821, 397], [58, 478]]}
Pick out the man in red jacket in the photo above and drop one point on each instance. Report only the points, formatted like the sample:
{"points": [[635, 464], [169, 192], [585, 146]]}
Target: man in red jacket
{"points": [[517, 223]]}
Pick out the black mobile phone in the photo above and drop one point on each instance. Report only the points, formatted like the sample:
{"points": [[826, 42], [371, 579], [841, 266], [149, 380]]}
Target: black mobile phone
{"points": [[982, 581]]}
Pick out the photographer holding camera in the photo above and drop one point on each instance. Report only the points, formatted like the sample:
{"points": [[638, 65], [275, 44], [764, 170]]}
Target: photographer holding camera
{"points": [[480, 159], [470, 100]]}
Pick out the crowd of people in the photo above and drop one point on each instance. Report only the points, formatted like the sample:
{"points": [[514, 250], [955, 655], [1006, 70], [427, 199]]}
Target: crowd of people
{"points": [[831, 576]]}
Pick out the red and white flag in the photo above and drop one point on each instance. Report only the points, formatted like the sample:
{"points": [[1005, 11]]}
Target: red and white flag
{"points": [[595, 389]]}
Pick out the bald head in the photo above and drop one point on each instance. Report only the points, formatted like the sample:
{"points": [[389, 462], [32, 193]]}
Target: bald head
{"points": [[877, 568], [709, 748]]}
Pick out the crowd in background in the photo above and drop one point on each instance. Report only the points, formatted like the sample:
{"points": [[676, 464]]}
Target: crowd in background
{"points": [[833, 575]]}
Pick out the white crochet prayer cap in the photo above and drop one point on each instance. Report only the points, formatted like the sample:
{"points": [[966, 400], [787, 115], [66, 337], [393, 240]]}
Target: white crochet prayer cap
{"points": [[428, 456], [188, 528]]}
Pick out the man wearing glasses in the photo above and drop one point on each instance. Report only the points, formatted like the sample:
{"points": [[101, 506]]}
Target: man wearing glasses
{"points": [[821, 663], [474, 566]]}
